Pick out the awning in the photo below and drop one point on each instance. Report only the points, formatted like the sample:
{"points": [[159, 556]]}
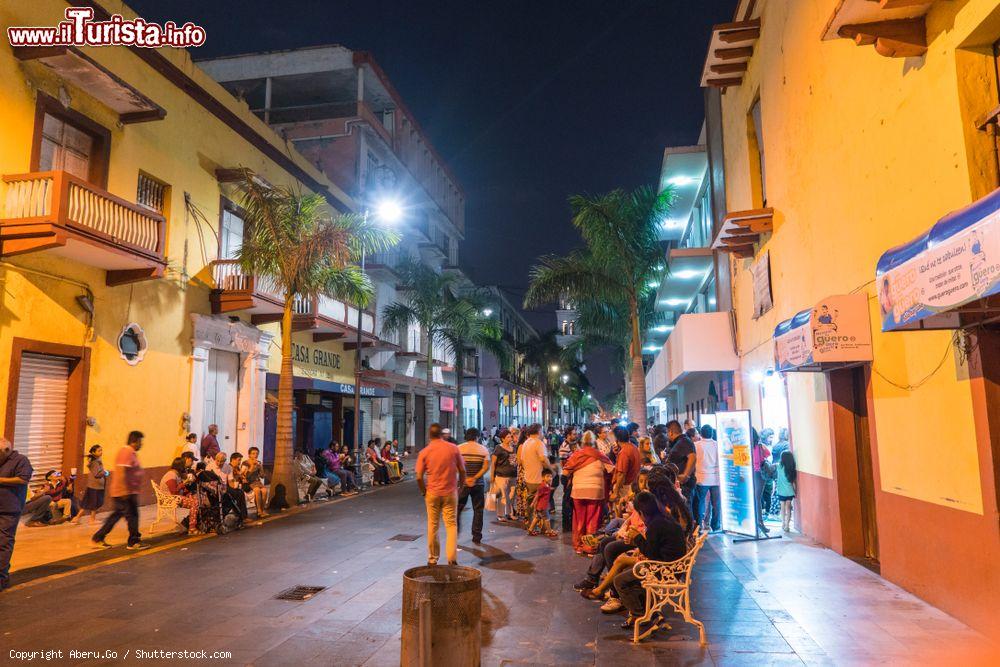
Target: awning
{"points": [[942, 279], [307, 384], [836, 332]]}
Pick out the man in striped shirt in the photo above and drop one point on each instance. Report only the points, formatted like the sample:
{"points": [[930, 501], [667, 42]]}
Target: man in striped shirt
{"points": [[477, 464]]}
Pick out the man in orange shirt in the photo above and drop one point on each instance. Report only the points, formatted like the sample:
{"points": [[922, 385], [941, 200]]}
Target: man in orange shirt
{"points": [[126, 482], [442, 465]]}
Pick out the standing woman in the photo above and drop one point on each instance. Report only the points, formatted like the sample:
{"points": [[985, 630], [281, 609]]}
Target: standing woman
{"points": [[521, 498], [97, 477], [504, 471], [587, 469], [647, 455]]}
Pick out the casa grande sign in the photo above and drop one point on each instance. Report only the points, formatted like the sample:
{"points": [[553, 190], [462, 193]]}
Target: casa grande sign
{"points": [[303, 354]]}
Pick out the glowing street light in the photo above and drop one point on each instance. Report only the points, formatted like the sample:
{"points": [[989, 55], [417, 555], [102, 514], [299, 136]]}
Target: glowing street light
{"points": [[554, 368], [487, 312], [388, 211]]}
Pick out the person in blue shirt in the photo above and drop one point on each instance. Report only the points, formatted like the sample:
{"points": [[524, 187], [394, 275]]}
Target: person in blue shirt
{"points": [[15, 473]]}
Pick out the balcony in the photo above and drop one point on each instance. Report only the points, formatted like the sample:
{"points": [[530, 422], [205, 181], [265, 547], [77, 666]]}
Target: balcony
{"points": [[325, 317], [895, 28], [62, 215], [700, 343], [382, 265]]}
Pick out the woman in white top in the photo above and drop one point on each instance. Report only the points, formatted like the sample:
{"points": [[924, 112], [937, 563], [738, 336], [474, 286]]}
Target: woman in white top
{"points": [[588, 468]]}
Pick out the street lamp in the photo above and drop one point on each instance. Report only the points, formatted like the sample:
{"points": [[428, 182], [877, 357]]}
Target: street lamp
{"points": [[388, 212], [554, 368], [487, 312]]}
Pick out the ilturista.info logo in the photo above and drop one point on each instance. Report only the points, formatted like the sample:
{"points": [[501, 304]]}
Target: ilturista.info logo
{"points": [[80, 29]]}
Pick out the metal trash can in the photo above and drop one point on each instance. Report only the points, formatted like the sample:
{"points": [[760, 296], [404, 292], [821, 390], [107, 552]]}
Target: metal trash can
{"points": [[442, 607]]}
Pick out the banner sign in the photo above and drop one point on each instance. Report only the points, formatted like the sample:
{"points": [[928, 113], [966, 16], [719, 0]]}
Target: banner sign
{"points": [[736, 472], [836, 330], [956, 262], [760, 271]]}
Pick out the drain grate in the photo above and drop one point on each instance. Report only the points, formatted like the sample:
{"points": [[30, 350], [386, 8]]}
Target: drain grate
{"points": [[402, 537], [299, 593]]}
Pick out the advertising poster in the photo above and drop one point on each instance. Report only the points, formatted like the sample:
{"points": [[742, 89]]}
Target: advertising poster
{"points": [[960, 264], [761, 273], [736, 472], [835, 330]]}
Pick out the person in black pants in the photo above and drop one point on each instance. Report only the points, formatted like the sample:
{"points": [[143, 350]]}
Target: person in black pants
{"points": [[477, 464], [15, 473], [126, 481], [664, 541]]}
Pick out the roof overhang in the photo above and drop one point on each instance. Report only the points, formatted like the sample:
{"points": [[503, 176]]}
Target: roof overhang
{"points": [[896, 28], [740, 230], [687, 270], [729, 52], [948, 277], [683, 171], [76, 67], [699, 343], [834, 333]]}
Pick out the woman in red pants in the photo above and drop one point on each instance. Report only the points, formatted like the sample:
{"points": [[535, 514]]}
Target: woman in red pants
{"points": [[589, 469]]}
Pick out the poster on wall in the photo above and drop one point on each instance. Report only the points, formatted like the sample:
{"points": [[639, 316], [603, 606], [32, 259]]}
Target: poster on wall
{"points": [[835, 330], [955, 263], [735, 472], [761, 273]]}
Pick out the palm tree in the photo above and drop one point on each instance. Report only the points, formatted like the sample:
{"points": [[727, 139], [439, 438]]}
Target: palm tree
{"points": [[455, 322], [291, 238], [622, 255]]}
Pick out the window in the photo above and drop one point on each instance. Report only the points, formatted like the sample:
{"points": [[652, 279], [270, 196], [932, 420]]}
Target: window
{"points": [[230, 232], [69, 141], [757, 172], [150, 193]]}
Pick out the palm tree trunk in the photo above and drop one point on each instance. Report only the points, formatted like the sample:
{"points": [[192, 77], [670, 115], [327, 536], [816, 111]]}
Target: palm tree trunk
{"points": [[460, 399], [637, 378], [285, 437], [429, 403]]}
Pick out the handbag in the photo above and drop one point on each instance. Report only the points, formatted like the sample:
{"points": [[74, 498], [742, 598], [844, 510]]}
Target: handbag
{"points": [[491, 499]]}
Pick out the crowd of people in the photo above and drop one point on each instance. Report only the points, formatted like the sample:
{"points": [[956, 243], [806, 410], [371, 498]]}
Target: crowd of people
{"points": [[625, 498], [217, 489]]}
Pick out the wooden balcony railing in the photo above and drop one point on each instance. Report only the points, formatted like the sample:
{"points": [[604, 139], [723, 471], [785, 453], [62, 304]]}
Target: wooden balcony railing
{"points": [[47, 209]]}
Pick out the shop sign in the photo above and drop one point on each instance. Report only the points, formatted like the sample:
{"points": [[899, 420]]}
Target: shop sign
{"points": [[132, 344], [956, 262], [836, 330], [761, 273], [447, 404], [736, 472], [303, 354], [371, 392]]}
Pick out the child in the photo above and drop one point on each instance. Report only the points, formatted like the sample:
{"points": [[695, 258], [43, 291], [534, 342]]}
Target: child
{"points": [[93, 497], [786, 487], [540, 522]]}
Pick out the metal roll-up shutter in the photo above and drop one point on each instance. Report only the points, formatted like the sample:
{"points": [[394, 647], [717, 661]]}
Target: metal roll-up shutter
{"points": [[366, 423], [40, 418]]}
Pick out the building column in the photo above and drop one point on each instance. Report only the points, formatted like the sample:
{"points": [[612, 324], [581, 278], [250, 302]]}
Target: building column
{"points": [[199, 366], [409, 421]]}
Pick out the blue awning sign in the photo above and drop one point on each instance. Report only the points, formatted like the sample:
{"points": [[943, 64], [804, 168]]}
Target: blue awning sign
{"points": [[836, 330], [956, 262]]}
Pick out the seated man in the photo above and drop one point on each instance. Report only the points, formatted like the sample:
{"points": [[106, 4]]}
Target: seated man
{"points": [[37, 509], [61, 493], [305, 471]]}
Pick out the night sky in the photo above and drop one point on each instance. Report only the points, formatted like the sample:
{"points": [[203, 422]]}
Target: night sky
{"points": [[528, 101]]}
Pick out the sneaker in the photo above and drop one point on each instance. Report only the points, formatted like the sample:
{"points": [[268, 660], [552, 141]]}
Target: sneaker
{"points": [[613, 605], [138, 546], [584, 585], [99, 544], [477, 540]]}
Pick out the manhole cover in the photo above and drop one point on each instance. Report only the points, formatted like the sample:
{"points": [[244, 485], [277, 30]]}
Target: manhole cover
{"points": [[299, 593], [404, 538]]}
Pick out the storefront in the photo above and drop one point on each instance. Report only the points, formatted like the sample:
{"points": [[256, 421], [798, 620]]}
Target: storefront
{"points": [[323, 397], [816, 402]]}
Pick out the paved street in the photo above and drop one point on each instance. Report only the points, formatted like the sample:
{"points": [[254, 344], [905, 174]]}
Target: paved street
{"points": [[779, 602]]}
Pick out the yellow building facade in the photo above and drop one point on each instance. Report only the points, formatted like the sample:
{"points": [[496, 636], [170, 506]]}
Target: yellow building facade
{"points": [[854, 127], [119, 309]]}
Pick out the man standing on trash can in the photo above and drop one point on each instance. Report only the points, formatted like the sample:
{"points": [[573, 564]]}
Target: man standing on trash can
{"points": [[442, 464]]}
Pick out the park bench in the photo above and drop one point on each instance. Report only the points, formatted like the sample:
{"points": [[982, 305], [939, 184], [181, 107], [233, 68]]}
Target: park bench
{"points": [[670, 584]]}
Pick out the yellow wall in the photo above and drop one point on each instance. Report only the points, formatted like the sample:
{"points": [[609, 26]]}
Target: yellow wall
{"points": [[182, 150], [864, 153]]}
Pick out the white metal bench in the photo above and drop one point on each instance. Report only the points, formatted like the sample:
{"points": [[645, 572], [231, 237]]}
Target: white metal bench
{"points": [[166, 506], [670, 584]]}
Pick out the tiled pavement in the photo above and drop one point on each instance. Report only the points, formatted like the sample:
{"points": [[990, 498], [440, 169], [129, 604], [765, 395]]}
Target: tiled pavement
{"points": [[777, 602]]}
